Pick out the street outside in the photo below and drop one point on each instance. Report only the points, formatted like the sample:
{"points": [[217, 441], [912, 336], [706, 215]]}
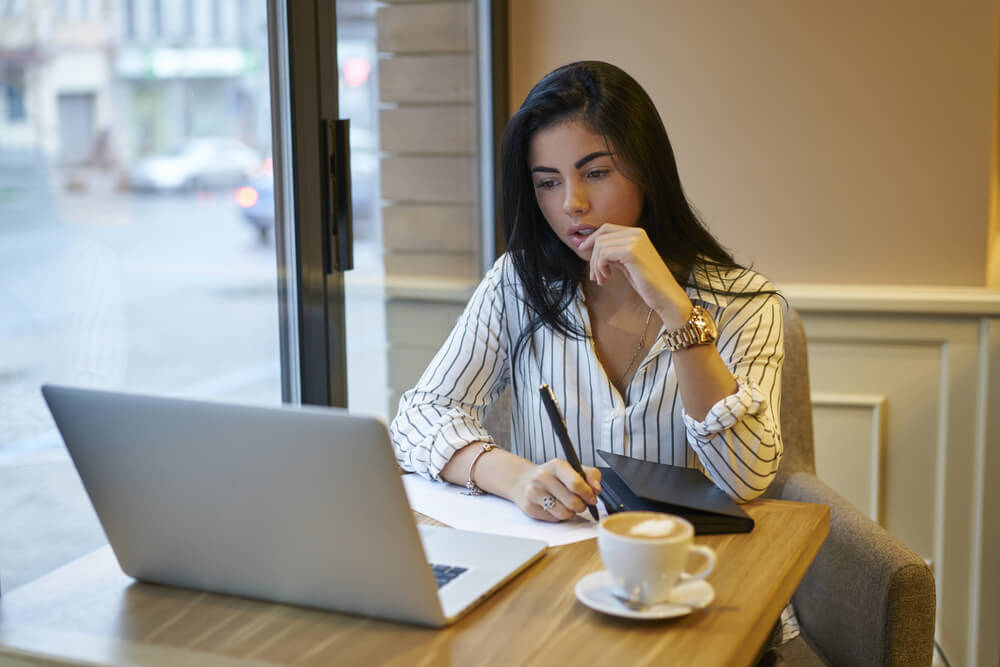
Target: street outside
{"points": [[170, 294]]}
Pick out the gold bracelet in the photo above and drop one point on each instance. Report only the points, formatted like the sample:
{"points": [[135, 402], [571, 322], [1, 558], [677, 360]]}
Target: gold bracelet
{"points": [[472, 488]]}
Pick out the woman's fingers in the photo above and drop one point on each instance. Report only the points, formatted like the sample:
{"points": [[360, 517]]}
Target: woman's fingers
{"points": [[581, 491], [555, 484], [593, 478], [612, 244], [629, 250], [556, 492], [555, 507]]}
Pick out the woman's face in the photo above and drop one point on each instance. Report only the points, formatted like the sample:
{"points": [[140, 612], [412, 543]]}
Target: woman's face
{"points": [[578, 186]]}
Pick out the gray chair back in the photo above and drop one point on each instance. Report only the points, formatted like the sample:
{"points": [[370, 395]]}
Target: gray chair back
{"points": [[796, 408], [796, 405]]}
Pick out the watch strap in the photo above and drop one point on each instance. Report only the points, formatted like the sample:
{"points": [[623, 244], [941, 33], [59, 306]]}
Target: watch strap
{"points": [[699, 329]]}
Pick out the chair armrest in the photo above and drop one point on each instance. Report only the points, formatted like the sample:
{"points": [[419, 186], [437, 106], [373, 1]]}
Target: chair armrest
{"points": [[866, 599]]}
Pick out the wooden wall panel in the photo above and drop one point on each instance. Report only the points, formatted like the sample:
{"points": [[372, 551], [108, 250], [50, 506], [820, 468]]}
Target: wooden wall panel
{"points": [[434, 28], [429, 130], [431, 180], [418, 328], [424, 323], [430, 228], [441, 265], [428, 79]]}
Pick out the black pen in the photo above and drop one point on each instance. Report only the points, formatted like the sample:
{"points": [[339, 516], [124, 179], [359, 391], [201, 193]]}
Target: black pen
{"points": [[559, 424]]}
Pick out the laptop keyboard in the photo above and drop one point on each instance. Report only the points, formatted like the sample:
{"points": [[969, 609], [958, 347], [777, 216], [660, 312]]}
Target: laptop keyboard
{"points": [[445, 573]]}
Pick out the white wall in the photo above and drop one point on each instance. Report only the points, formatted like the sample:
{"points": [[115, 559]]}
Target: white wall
{"points": [[904, 385]]}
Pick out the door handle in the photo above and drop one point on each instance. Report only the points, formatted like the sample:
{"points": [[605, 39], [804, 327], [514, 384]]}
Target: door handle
{"points": [[341, 220]]}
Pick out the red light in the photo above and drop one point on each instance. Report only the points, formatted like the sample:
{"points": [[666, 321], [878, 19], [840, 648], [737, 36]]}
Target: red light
{"points": [[355, 71], [246, 196], [265, 167]]}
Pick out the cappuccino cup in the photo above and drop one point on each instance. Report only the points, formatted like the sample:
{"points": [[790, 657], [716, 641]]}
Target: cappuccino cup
{"points": [[646, 552]]}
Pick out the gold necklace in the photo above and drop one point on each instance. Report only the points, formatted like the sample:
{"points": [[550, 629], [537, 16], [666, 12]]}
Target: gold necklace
{"points": [[635, 353]]}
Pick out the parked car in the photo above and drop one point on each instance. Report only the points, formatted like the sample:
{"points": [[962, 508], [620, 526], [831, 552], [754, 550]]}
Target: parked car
{"points": [[205, 163], [256, 197]]}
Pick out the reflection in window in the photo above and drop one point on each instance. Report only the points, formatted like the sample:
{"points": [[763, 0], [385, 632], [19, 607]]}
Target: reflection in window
{"points": [[157, 17], [12, 9], [13, 88], [216, 20], [189, 22], [128, 14]]}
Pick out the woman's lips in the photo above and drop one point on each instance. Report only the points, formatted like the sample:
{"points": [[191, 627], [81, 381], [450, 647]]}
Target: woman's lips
{"points": [[579, 233]]}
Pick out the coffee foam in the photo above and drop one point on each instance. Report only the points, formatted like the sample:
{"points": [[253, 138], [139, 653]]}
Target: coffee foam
{"points": [[653, 527]]}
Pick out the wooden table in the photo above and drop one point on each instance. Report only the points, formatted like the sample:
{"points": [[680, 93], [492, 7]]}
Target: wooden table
{"points": [[90, 612]]}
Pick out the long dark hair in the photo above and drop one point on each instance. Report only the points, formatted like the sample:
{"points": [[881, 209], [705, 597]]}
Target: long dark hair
{"points": [[612, 104]]}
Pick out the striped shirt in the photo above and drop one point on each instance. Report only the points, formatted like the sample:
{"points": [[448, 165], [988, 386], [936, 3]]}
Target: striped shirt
{"points": [[737, 444]]}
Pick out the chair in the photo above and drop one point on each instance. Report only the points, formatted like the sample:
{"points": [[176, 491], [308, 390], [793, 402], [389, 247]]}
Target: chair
{"points": [[866, 599]]}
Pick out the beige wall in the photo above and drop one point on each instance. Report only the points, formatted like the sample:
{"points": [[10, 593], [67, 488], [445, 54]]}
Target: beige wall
{"points": [[844, 142]]}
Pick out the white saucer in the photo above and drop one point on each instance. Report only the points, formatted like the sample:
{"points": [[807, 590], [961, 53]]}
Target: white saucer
{"points": [[594, 590]]}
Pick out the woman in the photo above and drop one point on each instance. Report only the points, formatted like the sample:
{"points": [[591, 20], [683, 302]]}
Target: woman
{"points": [[656, 343]]}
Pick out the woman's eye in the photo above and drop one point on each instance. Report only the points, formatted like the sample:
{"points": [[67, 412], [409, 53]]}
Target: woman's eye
{"points": [[597, 173], [545, 185]]}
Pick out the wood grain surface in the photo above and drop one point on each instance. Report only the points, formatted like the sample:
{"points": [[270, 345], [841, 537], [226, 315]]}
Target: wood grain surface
{"points": [[90, 612]]}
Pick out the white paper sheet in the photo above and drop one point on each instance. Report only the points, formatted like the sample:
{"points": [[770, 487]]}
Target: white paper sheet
{"points": [[489, 514]]}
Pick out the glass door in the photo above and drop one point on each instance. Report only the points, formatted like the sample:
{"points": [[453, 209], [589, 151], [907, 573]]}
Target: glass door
{"points": [[415, 79], [395, 98], [409, 87]]}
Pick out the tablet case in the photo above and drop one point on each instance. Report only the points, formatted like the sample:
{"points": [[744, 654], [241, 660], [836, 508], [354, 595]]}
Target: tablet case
{"points": [[634, 484]]}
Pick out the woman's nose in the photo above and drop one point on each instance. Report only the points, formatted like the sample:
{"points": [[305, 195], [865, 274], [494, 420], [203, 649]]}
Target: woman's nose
{"points": [[576, 201]]}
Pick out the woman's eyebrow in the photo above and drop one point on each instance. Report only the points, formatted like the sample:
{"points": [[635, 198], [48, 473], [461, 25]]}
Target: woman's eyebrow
{"points": [[579, 163], [587, 158]]}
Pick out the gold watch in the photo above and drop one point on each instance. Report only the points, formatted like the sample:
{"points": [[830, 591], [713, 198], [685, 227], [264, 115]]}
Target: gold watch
{"points": [[699, 330]]}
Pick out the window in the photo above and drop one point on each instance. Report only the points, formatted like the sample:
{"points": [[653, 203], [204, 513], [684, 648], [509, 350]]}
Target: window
{"points": [[151, 267], [136, 267]]}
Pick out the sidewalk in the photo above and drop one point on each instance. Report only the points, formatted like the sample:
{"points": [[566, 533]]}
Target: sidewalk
{"points": [[45, 516]]}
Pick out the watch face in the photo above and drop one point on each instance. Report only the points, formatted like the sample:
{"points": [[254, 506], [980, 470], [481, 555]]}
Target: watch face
{"points": [[706, 326]]}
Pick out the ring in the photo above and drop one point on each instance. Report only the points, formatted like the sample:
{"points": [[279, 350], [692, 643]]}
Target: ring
{"points": [[548, 502]]}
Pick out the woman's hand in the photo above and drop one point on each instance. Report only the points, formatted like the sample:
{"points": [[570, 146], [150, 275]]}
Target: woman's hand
{"points": [[629, 250], [556, 478]]}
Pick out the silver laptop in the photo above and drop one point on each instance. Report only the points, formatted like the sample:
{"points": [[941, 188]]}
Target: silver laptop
{"points": [[291, 504]]}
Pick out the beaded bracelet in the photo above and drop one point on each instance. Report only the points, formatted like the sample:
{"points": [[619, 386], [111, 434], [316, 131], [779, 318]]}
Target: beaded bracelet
{"points": [[472, 488]]}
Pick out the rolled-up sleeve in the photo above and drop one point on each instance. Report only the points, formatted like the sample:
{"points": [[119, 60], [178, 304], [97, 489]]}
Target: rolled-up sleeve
{"points": [[443, 413], [739, 441]]}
